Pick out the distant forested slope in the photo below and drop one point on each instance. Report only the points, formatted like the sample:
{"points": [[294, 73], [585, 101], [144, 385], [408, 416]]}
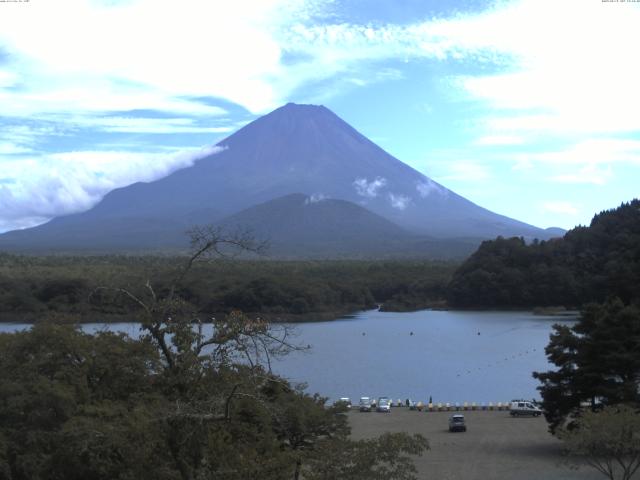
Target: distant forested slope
{"points": [[36, 288], [587, 264]]}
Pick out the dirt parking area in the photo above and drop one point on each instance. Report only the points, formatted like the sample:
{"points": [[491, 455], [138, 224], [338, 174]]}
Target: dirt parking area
{"points": [[495, 446]]}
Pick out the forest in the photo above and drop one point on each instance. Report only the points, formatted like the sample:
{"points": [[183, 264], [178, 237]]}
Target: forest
{"points": [[175, 403], [589, 264], [79, 288]]}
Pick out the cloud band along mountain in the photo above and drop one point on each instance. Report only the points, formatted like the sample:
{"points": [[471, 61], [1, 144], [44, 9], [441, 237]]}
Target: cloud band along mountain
{"points": [[295, 149]]}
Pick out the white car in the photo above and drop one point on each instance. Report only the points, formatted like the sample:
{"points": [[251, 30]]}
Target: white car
{"points": [[523, 407], [384, 405]]}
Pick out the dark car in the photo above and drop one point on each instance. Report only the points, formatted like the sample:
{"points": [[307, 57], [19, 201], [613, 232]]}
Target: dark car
{"points": [[456, 423], [365, 404]]}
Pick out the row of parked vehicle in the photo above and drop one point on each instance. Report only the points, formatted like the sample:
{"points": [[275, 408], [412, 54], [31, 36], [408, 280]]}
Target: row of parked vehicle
{"points": [[383, 404], [457, 421]]}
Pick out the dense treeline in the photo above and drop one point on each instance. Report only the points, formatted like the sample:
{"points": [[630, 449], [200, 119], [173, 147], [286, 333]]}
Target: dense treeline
{"points": [[591, 399], [597, 362], [589, 264], [175, 403], [34, 288]]}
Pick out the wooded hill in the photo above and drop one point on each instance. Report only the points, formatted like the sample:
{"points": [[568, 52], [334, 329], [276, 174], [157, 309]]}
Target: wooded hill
{"points": [[589, 264]]}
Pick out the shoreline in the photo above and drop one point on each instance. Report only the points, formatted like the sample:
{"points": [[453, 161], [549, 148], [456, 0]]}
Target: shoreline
{"points": [[290, 318]]}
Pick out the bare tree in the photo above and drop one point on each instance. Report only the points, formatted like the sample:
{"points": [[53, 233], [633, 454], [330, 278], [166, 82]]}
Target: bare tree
{"points": [[207, 362], [177, 328]]}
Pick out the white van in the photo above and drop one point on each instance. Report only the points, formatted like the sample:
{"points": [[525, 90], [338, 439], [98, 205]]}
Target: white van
{"points": [[523, 407], [384, 405]]}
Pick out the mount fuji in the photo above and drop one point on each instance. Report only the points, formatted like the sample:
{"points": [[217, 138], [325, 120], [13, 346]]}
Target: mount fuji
{"points": [[296, 149]]}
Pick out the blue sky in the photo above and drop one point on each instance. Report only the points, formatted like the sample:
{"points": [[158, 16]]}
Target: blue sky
{"points": [[528, 108]]}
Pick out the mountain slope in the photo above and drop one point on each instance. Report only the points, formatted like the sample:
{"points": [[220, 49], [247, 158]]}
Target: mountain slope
{"points": [[296, 148], [297, 225]]}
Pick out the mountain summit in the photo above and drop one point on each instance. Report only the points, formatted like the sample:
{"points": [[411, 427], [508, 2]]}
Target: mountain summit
{"points": [[294, 149]]}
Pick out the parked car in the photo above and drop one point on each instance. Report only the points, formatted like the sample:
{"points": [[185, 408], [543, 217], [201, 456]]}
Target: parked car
{"points": [[595, 406], [524, 407], [346, 401], [384, 405], [456, 423], [365, 404]]}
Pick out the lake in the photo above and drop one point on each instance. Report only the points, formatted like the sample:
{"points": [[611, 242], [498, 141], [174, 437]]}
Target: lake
{"points": [[448, 355]]}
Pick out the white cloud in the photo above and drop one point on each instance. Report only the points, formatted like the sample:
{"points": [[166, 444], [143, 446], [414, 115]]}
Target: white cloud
{"points": [[389, 74], [594, 152], [557, 75], [24, 138], [8, 148], [79, 93], [428, 186], [7, 78], [587, 174], [368, 189], [149, 125], [70, 182], [399, 201], [144, 54], [590, 161], [466, 171], [522, 163], [553, 62], [563, 77], [315, 198], [552, 77], [561, 207], [497, 140]]}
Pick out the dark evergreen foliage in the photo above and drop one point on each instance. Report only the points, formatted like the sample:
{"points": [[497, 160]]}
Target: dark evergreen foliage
{"points": [[36, 288], [588, 264], [598, 362]]}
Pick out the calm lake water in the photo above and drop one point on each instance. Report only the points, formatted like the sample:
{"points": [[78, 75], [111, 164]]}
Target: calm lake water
{"points": [[451, 356]]}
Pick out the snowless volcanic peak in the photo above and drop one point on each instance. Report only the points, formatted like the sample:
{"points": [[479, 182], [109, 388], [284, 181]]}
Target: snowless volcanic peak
{"points": [[304, 149], [309, 149]]}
